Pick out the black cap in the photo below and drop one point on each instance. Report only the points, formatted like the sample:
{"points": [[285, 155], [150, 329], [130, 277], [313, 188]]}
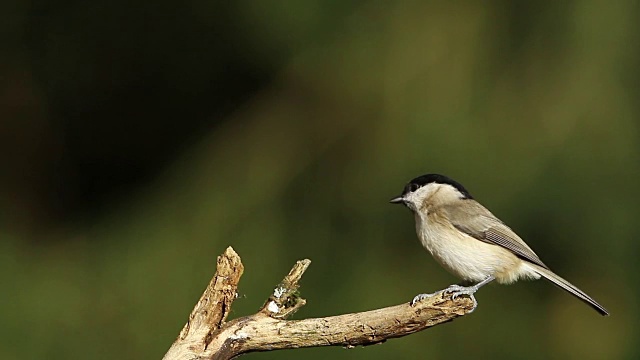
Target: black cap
{"points": [[423, 180]]}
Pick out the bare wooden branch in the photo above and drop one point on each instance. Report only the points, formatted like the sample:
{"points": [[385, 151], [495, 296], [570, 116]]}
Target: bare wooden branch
{"points": [[211, 310], [269, 330]]}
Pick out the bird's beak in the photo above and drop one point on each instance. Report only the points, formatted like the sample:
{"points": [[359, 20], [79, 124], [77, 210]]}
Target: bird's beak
{"points": [[397, 200]]}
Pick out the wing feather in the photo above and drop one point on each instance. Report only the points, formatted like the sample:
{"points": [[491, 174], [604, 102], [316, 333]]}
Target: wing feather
{"points": [[478, 222]]}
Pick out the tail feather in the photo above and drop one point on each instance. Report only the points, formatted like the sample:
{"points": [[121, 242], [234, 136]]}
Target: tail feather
{"points": [[568, 287]]}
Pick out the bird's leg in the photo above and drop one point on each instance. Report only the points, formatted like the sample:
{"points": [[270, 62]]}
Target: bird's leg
{"points": [[457, 290]]}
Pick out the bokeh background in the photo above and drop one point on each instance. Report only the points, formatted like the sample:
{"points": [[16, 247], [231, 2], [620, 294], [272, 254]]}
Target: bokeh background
{"points": [[139, 139]]}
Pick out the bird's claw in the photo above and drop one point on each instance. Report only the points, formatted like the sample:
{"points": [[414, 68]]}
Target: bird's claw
{"points": [[421, 297], [457, 290]]}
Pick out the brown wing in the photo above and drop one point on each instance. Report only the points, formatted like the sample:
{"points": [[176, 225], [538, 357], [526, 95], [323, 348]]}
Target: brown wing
{"points": [[478, 222]]}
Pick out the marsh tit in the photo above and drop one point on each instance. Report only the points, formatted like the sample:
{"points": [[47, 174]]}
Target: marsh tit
{"points": [[470, 242]]}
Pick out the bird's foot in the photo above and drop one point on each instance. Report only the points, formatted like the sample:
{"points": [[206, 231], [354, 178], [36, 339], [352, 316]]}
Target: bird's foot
{"points": [[454, 290], [457, 290]]}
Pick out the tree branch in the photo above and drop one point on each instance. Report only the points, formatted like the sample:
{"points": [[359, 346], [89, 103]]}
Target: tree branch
{"points": [[207, 336]]}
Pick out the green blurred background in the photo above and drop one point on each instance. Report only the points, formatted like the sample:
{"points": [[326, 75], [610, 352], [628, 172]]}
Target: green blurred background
{"points": [[139, 139]]}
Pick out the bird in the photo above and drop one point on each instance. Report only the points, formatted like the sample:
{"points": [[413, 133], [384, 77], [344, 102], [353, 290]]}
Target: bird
{"points": [[470, 242]]}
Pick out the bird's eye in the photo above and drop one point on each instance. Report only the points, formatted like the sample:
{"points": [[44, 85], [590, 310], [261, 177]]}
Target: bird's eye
{"points": [[413, 187]]}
